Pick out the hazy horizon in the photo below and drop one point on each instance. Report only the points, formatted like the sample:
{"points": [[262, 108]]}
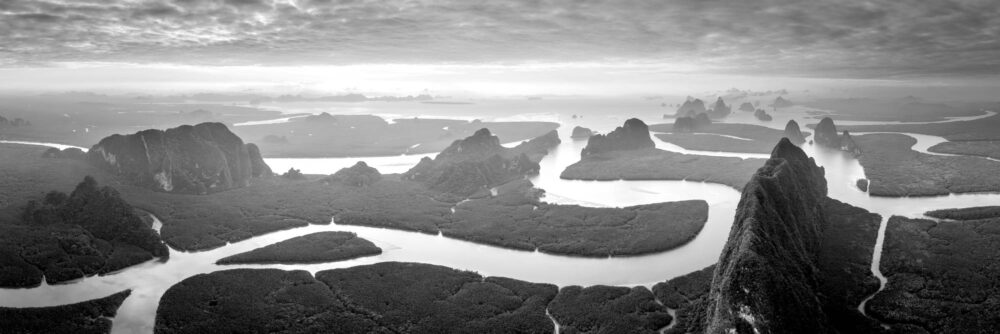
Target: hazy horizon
{"points": [[501, 49]]}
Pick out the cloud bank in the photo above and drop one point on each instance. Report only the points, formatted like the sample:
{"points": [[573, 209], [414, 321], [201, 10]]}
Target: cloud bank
{"points": [[820, 37]]}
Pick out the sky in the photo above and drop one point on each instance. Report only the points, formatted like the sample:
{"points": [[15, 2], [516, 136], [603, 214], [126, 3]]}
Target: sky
{"points": [[496, 47]]}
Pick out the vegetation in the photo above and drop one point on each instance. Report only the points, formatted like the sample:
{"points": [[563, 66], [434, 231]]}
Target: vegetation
{"points": [[516, 218], [388, 297], [91, 316], [607, 309], [984, 129], [65, 237], [976, 213], [688, 295], [187, 159], [783, 251], [477, 163], [941, 276], [318, 247], [896, 170], [981, 148], [655, 164], [359, 175], [907, 109], [422, 298], [633, 135]]}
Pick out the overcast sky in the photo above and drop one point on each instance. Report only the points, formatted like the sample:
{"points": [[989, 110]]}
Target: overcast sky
{"points": [[109, 40]]}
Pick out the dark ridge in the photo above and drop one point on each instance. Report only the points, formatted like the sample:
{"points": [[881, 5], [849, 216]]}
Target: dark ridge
{"points": [[796, 261], [197, 159], [974, 213], [826, 134], [479, 162], [359, 175], [633, 135], [65, 237], [580, 132]]}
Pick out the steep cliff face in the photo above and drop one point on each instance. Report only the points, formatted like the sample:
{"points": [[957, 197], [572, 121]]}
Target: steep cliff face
{"points": [[766, 281], [826, 134], [197, 159], [796, 261], [633, 135], [794, 133], [477, 163]]}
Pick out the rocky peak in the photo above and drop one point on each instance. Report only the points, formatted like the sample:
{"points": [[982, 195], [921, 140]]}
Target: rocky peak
{"points": [[633, 135], [720, 109], [770, 260], [196, 159], [580, 132], [691, 107], [481, 143], [794, 133], [847, 144], [747, 106], [826, 134], [359, 175], [781, 102], [479, 162]]}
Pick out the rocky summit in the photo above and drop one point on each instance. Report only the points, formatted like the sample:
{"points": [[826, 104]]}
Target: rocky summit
{"points": [[198, 159], [794, 133], [826, 134], [633, 135], [478, 163], [796, 261]]}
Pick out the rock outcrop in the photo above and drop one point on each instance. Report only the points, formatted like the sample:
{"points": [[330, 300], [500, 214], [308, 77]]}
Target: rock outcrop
{"points": [[359, 175], [17, 122], [258, 168], [580, 132], [826, 134], [692, 124], [691, 107], [633, 135], [794, 133], [848, 145], [781, 102], [720, 109], [197, 159], [747, 107], [477, 163], [762, 115], [791, 264]]}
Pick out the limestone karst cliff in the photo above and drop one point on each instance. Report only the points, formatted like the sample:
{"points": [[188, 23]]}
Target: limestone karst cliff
{"points": [[196, 159]]}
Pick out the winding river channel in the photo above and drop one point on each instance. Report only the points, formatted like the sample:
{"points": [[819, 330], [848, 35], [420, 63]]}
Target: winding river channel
{"points": [[150, 280]]}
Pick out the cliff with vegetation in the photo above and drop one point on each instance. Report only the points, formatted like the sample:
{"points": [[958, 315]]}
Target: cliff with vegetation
{"points": [[197, 159], [795, 261]]}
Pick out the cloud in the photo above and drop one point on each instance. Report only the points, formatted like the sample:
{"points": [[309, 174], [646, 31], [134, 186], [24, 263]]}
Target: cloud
{"points": [[820, 37]]}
